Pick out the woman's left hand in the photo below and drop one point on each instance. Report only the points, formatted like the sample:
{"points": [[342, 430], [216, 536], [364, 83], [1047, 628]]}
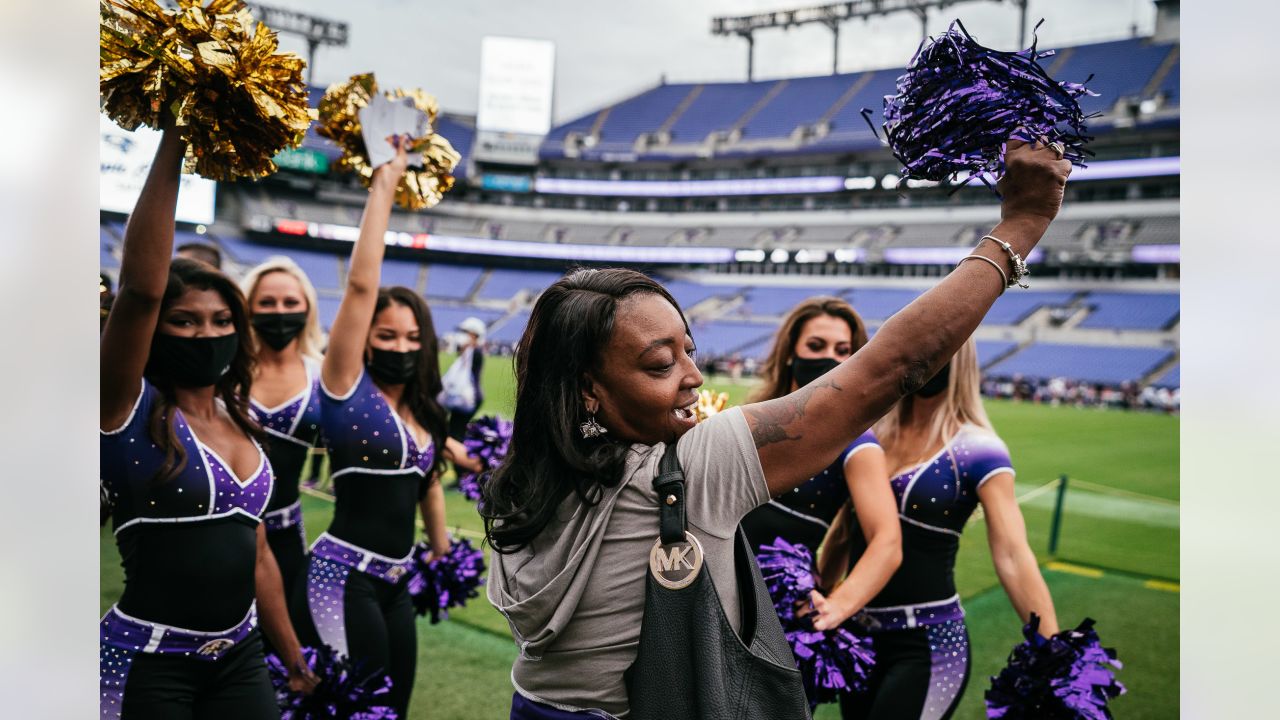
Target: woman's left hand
{"points": [[828, 613], [301, 679]]}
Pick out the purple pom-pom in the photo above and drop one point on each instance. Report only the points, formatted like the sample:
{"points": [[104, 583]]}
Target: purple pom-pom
{"points": [[346, 691], [447, 581], [831, 662], [788, 573], [958, 102], [1065, 677], [487, 440]]}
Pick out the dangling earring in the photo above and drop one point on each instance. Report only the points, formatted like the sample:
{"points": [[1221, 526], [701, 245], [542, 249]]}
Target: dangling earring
{"points": [[591, 428]]}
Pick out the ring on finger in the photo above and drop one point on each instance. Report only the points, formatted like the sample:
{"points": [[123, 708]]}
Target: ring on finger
{"points": [[1058, 148]]}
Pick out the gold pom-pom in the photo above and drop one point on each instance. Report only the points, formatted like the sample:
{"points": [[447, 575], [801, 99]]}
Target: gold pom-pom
{"points": [[710, 403], [339, 120], [215, 70]]}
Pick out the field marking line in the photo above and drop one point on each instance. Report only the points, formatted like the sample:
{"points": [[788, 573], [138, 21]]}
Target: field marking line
{"points": [[1059, 566], [1029, 495], [460, 531], [1117, 491], [1162, 585]]}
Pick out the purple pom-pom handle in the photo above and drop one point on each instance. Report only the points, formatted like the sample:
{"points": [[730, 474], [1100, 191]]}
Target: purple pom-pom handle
{"points": [[958, 102], [1065, 677], [346, 690], [831, 662], [486, 439], [447, 581]]}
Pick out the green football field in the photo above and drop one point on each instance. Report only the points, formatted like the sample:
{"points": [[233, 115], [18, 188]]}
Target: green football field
{"points": [[1116, 560]]}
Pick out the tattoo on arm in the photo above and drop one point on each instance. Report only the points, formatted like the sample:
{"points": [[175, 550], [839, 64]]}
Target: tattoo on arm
{"points": [[782, 419]]}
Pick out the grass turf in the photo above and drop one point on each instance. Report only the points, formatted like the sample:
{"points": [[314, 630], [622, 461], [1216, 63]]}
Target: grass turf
{"points": [[464, 663]]}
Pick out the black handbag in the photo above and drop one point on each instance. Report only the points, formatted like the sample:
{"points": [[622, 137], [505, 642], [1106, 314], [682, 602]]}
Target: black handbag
{"points": [[691, 665]]}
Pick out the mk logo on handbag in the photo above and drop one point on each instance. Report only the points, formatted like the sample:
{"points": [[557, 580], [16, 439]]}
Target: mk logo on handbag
{"points": [[675, 566]]}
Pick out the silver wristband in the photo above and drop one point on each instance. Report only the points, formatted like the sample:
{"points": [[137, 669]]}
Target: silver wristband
{"points": [[1004, 279], [1018, 266]]}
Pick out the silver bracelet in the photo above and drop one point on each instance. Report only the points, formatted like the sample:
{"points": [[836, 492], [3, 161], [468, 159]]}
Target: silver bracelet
{"points": [[1019, 267], [1004, 279]]}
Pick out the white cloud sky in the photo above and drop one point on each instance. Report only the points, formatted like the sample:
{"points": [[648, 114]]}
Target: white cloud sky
{"points": [[607, 50]]}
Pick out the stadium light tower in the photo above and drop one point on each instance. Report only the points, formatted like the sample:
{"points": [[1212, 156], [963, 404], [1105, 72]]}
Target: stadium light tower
{"points": [[832, 16], [316, 31]]}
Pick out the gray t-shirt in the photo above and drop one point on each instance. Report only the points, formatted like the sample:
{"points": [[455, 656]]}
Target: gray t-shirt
{"points": [[575, 597]]}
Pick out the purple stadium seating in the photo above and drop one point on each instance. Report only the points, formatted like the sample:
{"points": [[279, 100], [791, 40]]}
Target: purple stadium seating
{"points": [[446, 318], [989, 350], [1131, 311], [718, 107], [1120, 69], [1099, 364], [1012, 308], [802, 102], [644, 113], [780, 300], [880, 303], [106, 241], [504, 283], [452, 281], [689, 294], [320, 267], [1171, 378], [722, 337], [511, 330]]}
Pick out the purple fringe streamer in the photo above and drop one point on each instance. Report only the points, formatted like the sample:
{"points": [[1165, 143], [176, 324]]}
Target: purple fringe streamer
{"points": [[486, 439], [445, 582], [346, 690], [958, 102], [831, 662], [1065, 677]]}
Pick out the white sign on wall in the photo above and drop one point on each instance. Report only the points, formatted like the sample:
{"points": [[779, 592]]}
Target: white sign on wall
{"points": [[125, 157], [516, 78]]}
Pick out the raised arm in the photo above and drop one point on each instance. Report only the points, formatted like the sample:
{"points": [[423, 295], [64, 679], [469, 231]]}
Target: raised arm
{"points": [[344, 358], [1014, 561], [799, 434], [144, 273], [873, 501]]}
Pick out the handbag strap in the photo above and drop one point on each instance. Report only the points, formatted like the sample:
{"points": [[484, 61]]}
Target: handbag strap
{"points": [[670, 486]]}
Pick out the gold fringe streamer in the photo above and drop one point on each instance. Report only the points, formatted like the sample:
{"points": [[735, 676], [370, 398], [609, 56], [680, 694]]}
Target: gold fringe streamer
{"points": [[339, 120], [214, 70]]}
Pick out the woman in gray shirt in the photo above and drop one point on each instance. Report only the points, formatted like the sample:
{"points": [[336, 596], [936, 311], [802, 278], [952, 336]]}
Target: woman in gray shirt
{"points": [[606, 379]]}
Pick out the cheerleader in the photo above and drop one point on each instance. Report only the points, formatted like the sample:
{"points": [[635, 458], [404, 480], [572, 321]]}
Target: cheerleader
{"points": [[384, 429], [286, 396], [946, 460], [818, 335], [186, 483]]}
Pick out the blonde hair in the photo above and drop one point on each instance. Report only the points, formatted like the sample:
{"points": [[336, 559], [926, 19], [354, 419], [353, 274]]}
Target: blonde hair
{"points": [[961, 403], [311, 339]]}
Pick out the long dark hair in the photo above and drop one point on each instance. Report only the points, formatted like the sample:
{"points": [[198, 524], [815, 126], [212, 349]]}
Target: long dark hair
{"points": [[424, 387], [232, 388], [548, 459], [776, 370]]}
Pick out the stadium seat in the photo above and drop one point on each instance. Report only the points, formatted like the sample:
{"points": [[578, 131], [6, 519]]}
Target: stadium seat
{"points": [[452, 281], [504, 283], [1090, 363], [1131, 311]]}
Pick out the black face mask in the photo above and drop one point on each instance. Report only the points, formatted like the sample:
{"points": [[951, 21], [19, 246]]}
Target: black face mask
{"points": [[192, 362], [279, 329], [806, 370], [936, 384], [393, 368]]}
